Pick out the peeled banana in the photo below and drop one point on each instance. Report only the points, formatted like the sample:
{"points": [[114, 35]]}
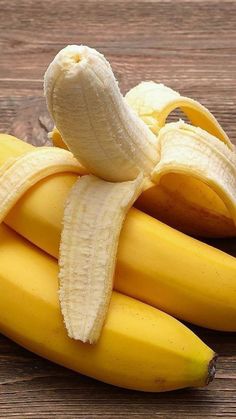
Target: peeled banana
{"points": [[113, 143], [203, 278]]}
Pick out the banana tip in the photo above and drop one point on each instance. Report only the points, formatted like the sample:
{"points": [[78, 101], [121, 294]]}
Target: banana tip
{"points": [[211, 369]]}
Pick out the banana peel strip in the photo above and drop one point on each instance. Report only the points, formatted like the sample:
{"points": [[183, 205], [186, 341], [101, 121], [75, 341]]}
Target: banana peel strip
{"points": [[194, 152], [20, 174], [153, 102], [93, 218]]}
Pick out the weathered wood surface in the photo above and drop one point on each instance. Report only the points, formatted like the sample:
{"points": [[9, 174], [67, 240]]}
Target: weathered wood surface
{"points": [[190, 46]]}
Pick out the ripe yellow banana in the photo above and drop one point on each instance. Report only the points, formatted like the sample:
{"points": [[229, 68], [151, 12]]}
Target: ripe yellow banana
{"points": [[155, 263], [140, 347]]}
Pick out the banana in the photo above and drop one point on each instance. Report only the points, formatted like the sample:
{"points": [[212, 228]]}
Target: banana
{"points": [[91, 227], [155, 263], [140, 347], [99, 127], [94, 120]]}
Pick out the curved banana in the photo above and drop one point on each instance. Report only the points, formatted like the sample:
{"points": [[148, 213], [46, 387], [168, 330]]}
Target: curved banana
{"points": [[194, 152], [140, 347], [95, 121], [93, 217]]}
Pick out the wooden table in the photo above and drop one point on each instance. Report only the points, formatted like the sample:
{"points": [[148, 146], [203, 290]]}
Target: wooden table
{"points": [[188, 45]]}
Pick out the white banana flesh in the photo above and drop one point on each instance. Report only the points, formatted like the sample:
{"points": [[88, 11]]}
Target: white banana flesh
{"points": [[153, 102], [93, 217], [194, 152], [95, 121], [19, 174]]}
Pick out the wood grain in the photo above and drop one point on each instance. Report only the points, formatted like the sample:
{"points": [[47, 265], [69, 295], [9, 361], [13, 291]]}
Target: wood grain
{"points": [[188, 45]]}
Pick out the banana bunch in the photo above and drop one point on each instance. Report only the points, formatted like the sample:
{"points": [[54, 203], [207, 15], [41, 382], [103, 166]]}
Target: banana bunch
{"points": [[116, 151]]}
